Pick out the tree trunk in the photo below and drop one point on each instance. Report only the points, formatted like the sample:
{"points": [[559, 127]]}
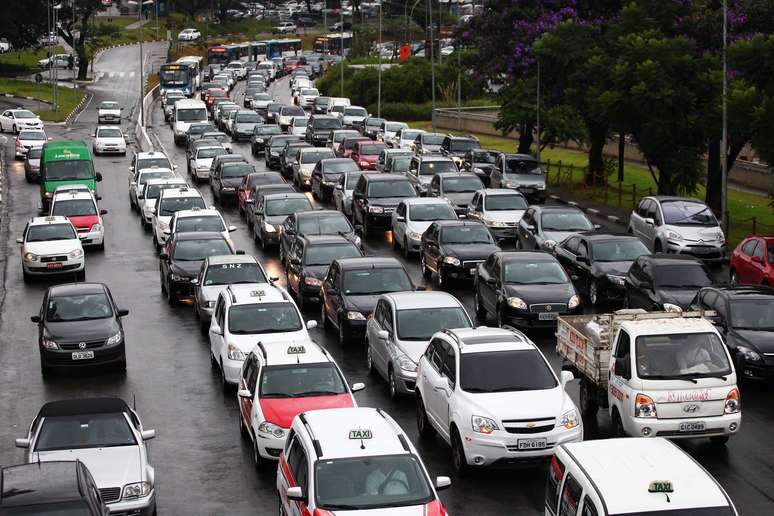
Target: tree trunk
{"points": [[80, 49], [596, 171], [525, 138]]}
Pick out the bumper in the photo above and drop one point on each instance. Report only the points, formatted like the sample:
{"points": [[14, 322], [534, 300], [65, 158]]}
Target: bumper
{"points": [[759, 370], [109, 119], [201, 173], [269, 447], [21, 152], [310, 292], [272, 159], [415, 246], [61, 358], [355, 329], [522, 318], [461, 273], [503, 232], [41, 269], [241, 135], [92, 239], [232, 369], [706, 253], [138, 507], [258, 148], [181, 288], [714, 426], [405, 381], [111, 150], [502, 448], [379, 220], [205, 313], [227, 192], [533, 195]]}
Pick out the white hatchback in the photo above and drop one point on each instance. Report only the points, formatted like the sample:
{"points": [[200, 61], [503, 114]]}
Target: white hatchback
{"points": [[109, 140], [50, 245]]}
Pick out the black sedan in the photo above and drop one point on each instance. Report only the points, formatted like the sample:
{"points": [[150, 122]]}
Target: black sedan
{"points": [[181, 259], [598, 263], [261, 135], [308, 261], [79, 324], [745, 317], [524, 288], [481, 162], [665, 282], [227, 179], [350, 291], [326, 174], [452, 249], [315, 222]]}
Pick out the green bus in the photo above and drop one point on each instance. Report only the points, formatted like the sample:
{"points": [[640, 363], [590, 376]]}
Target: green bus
{"points": [[65, 162]]}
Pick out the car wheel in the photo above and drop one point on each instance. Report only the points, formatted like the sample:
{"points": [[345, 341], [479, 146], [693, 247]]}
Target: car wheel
{"points": [[406, 249], [442, 279], [282, 255], [343, 337], [459, 461], [394, 394], [315, 194], [26, 277], [589, 403], [242, 428], [395, 244], [501, 320], [626, 302], [121, 366], [369, 360], [260, 464], [15, 130], [480, 310], [618, 428], [424, 427], [734, 280], [657, 247], [366, 233], [518, 243], [81, 275], [171, 298], [593, 293], [423, 266], [223, 383], [45, 370]]}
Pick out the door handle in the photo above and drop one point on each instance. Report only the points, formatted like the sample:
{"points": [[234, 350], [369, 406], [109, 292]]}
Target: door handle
{"points": [[439, 389]]}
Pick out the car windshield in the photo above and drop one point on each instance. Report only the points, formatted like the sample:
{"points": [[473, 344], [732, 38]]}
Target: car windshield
{"points": [[421, 324], [84, 431], [292, 111], [689, 275], [49, 232], [326, 253], [505, 371], [340, 137], [324, 225], [281, 142], [108, 105], [461, 184], [191, 114], [210, 152], [219, 137], [147, 176], [372, 149], [463, 145], [197, 250], [78, 307], [431, 212], [383, 189], [400, 164], [624, 250], [688, 213], [74, 208], [752, 314], [153, 162], [34, 153], [565, 221], [199, 129], [473, 234], [299, 121], [432, 139], [248, 118], [24, 114], [70, 169], [505, 203], [430, 168], [153, 191], [277, 207], [371, 482], [376, 281], [534, 273], [352, 180], [233, 273], [266, 130], [315, 156], [110, 132], [339, 167], [301, 381], [263, 318], [237, 170], [199, 223], [355, 111], [681, 355], [262, 96], [522, 166], [394, 127], [310, 91], [326, 123], [168, 207], [40, 135], [488, 157]]}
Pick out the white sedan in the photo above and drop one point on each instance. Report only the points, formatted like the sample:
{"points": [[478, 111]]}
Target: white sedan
{"points": [[50, 245], [27, 139], [15, 120], [109, 140], [189, 35]]}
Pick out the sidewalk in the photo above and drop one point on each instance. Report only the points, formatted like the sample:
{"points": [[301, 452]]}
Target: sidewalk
{"points": [[137, 24]]}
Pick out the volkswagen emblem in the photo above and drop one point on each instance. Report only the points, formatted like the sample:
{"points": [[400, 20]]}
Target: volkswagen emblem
{"points": [[548, 308], [691, 408], [82, 345]]}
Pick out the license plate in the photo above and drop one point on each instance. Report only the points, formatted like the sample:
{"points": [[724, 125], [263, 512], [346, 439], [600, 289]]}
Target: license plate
{"points": [[547, 316], [532, 444], [55, 265], [473, 271], [698, 426], [83, 355]]}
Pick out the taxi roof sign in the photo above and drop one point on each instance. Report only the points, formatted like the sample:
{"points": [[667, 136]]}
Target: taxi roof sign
{"points": [[661, 486], [360, 434], [296, 350], [257, 293]]}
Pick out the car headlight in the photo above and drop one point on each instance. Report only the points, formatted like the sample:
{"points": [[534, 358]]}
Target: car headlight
{"points": [[47, 342], [414, 235], [669, 307], [748, 354], [137, 490], [644, 406], [375, 209], [573, 302], [733, 402], [549, 244], [495, 223], [673, 235], [511, 184], [96, 227], [517, 302], [76, 253], [271, 429], [269, 228], [451, 260], [618, 281], [114, 339], [180, 277], [483, 425], [570, 419], [355, 316], [404, 362], [540, 187], [312, 281], [363, 163], [358, 242], [234, 353], [210, 304], [31, 257]]}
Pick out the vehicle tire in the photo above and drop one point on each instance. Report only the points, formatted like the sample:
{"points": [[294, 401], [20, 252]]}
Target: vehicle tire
{"points": [[282, 255], [442, 279], [719, 440], [406, 249], [519, 247], [589, 403], [223, 383], [45, 370], [369, 361], [426, 273], [315, 195], [81, 275], [14, 129], [593, 293], [213, 362], [280, 510], [424, 427], [101, 247], [626, 302], [459, 462], [481, 313], [500, 316], [733, 278], [242, 428], [27, 177], [657, 247], [171, 298], [366, 233], [395, 244], [391, 382], [26, 277], [121, 366], [343, 337], [260, 463], [618, 428]]}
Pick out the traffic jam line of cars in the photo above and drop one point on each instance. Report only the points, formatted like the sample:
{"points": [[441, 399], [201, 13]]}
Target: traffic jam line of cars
{"points": [[665, 367]]}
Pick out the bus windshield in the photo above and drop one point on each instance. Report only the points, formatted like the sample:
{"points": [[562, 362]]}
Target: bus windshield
{"points": [[68, 170]]}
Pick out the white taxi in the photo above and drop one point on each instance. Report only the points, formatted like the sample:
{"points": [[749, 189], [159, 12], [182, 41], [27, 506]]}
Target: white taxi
{"points": [[196, 220], [278, 382], [354, 459], [50, 245], [171, 201], [245, 314], [146, 198], [80, 207], [143, 175]]}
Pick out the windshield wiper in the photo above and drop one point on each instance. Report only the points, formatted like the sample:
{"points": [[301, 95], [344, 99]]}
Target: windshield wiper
{"points": [[316, 393], [342, 507], [475, 389]]}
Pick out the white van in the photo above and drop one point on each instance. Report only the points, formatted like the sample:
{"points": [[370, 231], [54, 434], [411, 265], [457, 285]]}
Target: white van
{"points": [[268, 68], [652, 477], [185, 113]]}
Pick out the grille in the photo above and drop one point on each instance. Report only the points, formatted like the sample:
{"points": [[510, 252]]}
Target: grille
{"points": [[83, 229], [515, 447], [110, 494], [75, 345], [48, 259], [526, 430], [548, 307], [675, 433], [472, 263]]}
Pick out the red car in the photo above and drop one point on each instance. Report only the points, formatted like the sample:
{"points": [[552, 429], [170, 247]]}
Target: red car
{"points": [[348, 145], [366, 153], [256, 178], [214, 93], [752, 262]]}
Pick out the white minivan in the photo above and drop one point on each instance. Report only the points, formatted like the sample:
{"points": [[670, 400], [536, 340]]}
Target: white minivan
{"points": [[185, 113]]}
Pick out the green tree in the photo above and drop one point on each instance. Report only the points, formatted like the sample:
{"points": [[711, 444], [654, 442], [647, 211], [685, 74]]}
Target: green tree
{"points": [[76, 30], [22, 23]]}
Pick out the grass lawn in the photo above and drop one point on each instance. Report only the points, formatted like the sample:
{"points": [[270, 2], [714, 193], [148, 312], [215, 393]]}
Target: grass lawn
{"points": [[24, 61], [742, 206], [68, 98]]}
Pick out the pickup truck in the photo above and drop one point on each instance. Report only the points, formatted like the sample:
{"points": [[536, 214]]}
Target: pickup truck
{"points": [[659, 374]]}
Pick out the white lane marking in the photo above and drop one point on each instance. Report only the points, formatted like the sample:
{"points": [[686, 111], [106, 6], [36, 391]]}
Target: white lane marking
{"points": [[112, 74], [131, 74]]}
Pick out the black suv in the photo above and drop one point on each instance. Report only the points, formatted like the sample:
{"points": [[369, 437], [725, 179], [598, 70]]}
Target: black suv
{"points": [[181, 259], [665, 282], [289, 156], [326, 174], [315, 222], [375, 198], [456, 147], [321, 105], [481, 162], [351, 288], [55, 487], [261, 136], [79, 324], [275, 146], [452, 249], [227, 178], [320, 127]]}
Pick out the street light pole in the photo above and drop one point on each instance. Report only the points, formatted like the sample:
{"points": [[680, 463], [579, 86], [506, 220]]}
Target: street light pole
{"points": [[379, 51], [724, 138], [537, 107], [432, 63], [341, 47]]}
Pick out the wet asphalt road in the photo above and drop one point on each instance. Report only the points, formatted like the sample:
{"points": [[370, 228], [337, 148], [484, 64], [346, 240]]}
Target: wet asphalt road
{"points": [[202, 464]]}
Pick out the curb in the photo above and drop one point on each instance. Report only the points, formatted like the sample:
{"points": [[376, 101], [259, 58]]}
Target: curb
{"points": [[86, 98], [612, 218], [67, 119]]}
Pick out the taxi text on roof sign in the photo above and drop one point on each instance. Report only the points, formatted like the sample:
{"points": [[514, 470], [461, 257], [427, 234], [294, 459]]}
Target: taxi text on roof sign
{"points": [[296, 350], [360, 434], [661, 486], [257, 293]]}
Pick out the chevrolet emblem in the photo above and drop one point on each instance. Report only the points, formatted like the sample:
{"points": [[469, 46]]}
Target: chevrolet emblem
{"points": [[531, 424]]}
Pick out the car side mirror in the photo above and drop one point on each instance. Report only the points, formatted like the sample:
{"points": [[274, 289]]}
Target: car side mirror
{"points": [[530, 227], [147, 435], [756, 259], [649, 221], [339, 188], [240, 252], [19, 240], [331, 291], [400, 218], [419, 288], [245, 393], [491, 281], [384, 334], [359, 229], [123, 312], [582, 259], [214, 328], [359, 386], [105, 212], [22, 443], [597, 226], [295, 494], [231, 229], [35, 318], [163, 256], [566, 377], [442, 483], [462, 216], [295, 261], [98, 177], [311, 325]]}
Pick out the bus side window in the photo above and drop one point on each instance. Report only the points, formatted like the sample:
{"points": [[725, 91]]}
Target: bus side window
{"points": [[555, 475]]}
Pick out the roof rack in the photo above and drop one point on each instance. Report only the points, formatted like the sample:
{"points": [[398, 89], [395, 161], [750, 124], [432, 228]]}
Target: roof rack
{"points": [[454, 336], [315, 441], [231, 293], [263, 351]]}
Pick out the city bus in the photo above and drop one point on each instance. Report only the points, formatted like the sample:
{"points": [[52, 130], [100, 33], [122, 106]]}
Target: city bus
{"points": [[282, 48], [195, 63], [331, 43], [258, 51], [222, 54], [176, 76], [65, 162]]}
